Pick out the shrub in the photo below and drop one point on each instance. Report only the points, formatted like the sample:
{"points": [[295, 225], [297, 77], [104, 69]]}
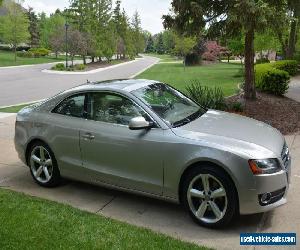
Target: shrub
{"points": [[38, 52], [262, 60], [290, 66], [271, 80], [212, 98], [59, 67], [26, 54], [79, 67], [236, 107], [192, 59]]}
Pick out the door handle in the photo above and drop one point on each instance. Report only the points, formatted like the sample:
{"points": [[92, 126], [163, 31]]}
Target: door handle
{"points": [[88, 136]]}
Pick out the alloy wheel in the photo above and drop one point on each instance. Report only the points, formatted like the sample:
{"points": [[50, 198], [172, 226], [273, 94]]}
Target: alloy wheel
{"points": [[41, 164], [207, 198]]}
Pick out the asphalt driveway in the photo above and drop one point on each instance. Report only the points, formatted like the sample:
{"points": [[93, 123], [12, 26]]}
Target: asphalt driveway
{"points": [[28, 83], [157, 215]]}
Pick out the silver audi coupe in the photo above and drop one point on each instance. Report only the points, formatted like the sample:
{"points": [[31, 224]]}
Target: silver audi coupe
{"points": [[146, 137]]}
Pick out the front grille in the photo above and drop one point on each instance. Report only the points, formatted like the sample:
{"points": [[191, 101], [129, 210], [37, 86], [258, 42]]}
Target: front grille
{"points": [[285, 155], [275, 196]]}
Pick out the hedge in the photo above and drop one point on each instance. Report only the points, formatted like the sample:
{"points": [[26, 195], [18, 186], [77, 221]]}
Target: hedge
{"points": [[274, 77], [290, 66], [271, 80], [34, 52]]}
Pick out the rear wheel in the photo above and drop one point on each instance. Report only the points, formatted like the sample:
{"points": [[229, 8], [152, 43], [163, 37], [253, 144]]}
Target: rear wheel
{"points": [[43, 165], [209, 195]]}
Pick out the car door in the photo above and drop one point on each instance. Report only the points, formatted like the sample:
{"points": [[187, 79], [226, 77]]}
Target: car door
{"points": [[65, 122], [116, 155]]}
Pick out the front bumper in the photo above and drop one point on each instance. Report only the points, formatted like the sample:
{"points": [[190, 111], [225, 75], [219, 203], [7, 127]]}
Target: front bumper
{"points": [[277, 184]]}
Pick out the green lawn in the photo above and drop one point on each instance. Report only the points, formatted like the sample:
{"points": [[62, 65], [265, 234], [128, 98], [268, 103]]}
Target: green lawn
{"points": [[8, 59], [219, 74], [13, 109], [32, 223], [164, 57]]}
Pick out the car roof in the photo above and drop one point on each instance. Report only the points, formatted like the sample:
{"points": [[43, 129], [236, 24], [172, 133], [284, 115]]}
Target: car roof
{"points": [[127, 85]]}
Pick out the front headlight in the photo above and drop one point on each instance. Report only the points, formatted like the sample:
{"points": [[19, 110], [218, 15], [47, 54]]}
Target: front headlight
{"points": [[267, 166]]}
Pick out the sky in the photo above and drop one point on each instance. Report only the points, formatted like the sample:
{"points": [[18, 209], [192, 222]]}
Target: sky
{"points": [[150, 11]]}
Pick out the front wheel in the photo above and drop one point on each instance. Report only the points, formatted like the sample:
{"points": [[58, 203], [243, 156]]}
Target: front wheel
{"points": [[209, 195], [43, 166]]}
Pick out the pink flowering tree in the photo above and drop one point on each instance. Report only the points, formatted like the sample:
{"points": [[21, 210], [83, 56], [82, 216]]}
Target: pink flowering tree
{"points": [[213, 51]]}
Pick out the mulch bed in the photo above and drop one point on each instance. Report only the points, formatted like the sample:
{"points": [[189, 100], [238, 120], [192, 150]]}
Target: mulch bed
{"points": [[280, 112]]}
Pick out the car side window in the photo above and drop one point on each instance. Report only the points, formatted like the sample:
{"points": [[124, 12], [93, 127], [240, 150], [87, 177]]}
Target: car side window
{"points": [[72, 106], [113, 108]]}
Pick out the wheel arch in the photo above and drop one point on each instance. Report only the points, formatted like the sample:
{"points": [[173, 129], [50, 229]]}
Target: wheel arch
{"points": [[30, 144], [202, 163]]}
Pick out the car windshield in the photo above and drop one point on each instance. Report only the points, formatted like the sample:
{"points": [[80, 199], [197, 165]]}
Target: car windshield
{"points": [[171, 105]]}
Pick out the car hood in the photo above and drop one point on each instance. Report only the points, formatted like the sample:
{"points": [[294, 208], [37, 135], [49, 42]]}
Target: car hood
{"points": [[235, 132]]}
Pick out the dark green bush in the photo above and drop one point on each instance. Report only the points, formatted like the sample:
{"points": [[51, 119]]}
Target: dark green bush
{"points": [[236, 107], [59, 67], [271, 80], [212, 98], [192, 59], [290, 66], [262, 60]]}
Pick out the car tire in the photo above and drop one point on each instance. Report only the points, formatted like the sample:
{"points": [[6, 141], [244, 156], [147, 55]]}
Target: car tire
{"points": [[209, 195], [43, 165]]}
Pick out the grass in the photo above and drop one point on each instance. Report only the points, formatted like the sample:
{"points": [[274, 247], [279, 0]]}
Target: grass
{"points": [[13, 109], [222, 75], [164, 57], [7, 58], [32, 223]]}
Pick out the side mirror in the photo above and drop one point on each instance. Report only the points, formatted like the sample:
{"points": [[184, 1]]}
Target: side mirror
{"points": [[139, 123]]}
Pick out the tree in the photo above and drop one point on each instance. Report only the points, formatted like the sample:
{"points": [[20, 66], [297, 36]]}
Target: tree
{"points": [[245, 15], [49, 26], [237, 47], [150, 45], [76, 44], [14, 25], [265, 42], [213, 51], [159, 47], [33, 28], [57, 41], [138, 38], [169, 40], [184, 45], [294, 8]]}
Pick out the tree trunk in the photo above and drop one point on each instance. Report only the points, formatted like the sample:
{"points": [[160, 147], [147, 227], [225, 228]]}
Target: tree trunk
{"points": [[15, 51], [84, 60], [250, 92], [292, 37]]}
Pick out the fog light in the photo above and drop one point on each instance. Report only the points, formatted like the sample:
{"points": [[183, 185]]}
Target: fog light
{"points": [[266, 198]]}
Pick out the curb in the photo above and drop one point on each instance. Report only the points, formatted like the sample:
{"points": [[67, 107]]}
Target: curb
{"points": [[5, 115], [19, 104], [29, 65], [143, 70], [88, 72]]}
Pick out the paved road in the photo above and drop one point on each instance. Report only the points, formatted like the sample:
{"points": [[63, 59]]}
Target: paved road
{"points": [[26, 84], [145, 212], [294, 90]]}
